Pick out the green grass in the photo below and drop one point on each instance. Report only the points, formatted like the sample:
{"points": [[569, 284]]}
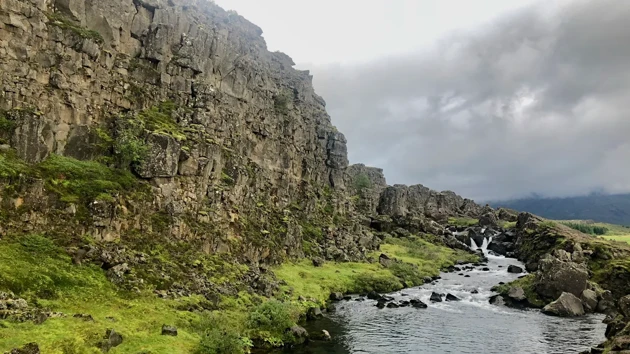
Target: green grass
{"points": [[76, 180], [463, 221], [159, 119], [612, 232], [11, 166], [422, 258], [35, 269], [508, 224]]}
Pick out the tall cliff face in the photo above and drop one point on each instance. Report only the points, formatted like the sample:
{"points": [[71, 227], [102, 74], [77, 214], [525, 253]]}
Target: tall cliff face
{"points": [[232, 130], [234, 149]]}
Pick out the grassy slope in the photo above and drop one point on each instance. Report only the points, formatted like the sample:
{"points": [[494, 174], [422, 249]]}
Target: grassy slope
{"points": [[38, 271], [615, 232], [35, 269]]}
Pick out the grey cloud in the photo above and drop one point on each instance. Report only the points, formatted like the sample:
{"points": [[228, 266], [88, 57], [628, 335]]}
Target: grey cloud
{"points": [[536, 102]]}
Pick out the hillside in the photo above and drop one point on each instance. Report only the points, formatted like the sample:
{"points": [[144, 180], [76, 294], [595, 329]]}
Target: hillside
{"points": [[613, 209]]}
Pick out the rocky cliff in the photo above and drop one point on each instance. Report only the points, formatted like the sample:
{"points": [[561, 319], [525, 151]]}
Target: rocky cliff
{"points": [[229, 147]]}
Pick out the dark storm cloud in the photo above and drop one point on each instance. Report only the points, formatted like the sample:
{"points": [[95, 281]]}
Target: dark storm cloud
{"points": [[538, 101]]}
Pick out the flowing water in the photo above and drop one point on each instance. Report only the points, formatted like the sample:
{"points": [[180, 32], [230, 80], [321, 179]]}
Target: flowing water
{"points": [[471, 325]]}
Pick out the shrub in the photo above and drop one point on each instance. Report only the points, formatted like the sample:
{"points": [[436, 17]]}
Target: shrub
{"points": [[281, 102], [217, 341], [128, 146], [587, 229], [361, 182], [269, 321]]}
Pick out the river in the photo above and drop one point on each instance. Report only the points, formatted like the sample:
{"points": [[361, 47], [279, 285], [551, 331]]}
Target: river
{"points": [[469, 326]]}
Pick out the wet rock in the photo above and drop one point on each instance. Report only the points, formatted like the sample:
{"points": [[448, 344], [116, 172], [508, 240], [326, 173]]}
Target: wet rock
{"points": [[169, 330], [314, 313], [404, 303], [347, 297], [516, 293], [417, 303], [497, 300], [514, 269], [427, 279], [467, 276], [335, 297], [451, 297], [299, 333], [388, 298], [589, 300], [373, 295], [567, 305], [435, 297], [485, 269], [324, 335], [30, 348], [606, 302], [392, 305], [381, 303], [474, 291]]}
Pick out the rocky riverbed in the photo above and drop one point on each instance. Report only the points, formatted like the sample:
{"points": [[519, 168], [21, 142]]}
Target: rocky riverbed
{"points": [[469, 324]]}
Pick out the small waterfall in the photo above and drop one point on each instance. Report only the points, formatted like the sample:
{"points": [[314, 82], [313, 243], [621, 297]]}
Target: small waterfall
{"points": [[473, 245], [483, 247]]}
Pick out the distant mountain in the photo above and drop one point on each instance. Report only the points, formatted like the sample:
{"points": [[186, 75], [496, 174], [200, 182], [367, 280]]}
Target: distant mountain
{"points": [[614, 209]]}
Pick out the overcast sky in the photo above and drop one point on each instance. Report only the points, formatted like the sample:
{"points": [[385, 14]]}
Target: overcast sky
{"points": [[492, 99]]}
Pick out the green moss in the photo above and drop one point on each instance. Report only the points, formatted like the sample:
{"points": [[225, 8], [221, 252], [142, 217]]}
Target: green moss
{"points": [[462, 221], [508, 224], [159, 119], [11, 166], [56, 19], [528, 285], [281, 102], [83, 181]]}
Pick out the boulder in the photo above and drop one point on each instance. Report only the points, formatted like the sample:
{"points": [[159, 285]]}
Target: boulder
{"points": [[514, 269], [325, 335], [516, 293], [335, 297], [373, 295], [169, 330], [318, 261], [418, 304], [381, 303], [314, 313], [589, 300], [299, 333], [567, 305], [112, 339], [624, 305], [488, 219], [497, 300], [30, 348], [451, 297], [384, 260], [555, 277], [606, 302], [392, 305], [435, 297]]}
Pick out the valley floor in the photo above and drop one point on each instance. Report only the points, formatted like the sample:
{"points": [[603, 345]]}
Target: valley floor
{"points": [[37, 270]]}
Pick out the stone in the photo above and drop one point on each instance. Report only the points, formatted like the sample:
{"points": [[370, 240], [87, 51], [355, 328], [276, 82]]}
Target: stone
{"points": [[488, 219], [589, 300], [435, 297], [168, 330], [624, 305], [299, 333], [567, 305], [384, 260], [497, 300], [516, 293], [606, 302], [373, 295], [392, 305], [112, 339], [318, 262], [418, 304], [555, 277], [514, 269], [326, 335], [335, 297], [30, 348], [314, 313], [451, 297]]}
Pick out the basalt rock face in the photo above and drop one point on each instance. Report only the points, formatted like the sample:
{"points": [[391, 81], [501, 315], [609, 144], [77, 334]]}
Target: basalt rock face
{"points": [[241, 152]]}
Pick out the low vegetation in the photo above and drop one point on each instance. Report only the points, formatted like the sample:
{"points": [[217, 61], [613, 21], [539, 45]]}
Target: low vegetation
{"points": [[587, 228], [527, 283], [64, 23], [462, 221]]}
